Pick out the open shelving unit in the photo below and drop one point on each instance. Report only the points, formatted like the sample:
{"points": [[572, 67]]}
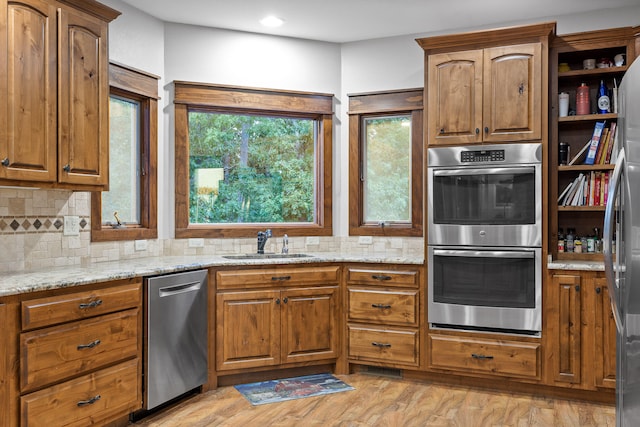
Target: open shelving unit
{"points": [[576, 130]]}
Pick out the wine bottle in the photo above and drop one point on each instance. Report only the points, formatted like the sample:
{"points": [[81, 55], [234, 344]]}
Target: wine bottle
{"points": [[603, 98]]}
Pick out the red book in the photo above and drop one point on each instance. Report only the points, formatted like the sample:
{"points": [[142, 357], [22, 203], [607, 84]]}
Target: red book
{"points": [[606, 187], [597, 188]]}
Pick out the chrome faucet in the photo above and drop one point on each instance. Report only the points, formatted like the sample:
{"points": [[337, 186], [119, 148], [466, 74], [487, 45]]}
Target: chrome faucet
{"points": [[285, 244], [263, 236]]}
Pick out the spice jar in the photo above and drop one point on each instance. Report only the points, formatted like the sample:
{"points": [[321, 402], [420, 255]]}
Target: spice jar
{"points": [[577, 246], [582, 100]]}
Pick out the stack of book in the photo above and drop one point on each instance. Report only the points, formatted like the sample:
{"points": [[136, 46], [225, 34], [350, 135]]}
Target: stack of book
{"points": [[588, 189], [600, 148]]}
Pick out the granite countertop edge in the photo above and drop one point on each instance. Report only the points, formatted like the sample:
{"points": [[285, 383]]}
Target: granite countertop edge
{"points": [[70, 276]]}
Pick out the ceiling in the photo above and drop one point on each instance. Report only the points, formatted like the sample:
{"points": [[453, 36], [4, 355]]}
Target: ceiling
{"points": [[341, 21]]}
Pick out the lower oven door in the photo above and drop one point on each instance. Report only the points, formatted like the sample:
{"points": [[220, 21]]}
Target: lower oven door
{"points": [[485, 288]]}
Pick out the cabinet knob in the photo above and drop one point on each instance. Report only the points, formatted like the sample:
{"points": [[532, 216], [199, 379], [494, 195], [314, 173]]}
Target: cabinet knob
{"points": [[5, 161], [277, 300], [486, 129], [442, 130], [66, 168], [285, 300], [577, 288], [477, 131], [598, 290]]}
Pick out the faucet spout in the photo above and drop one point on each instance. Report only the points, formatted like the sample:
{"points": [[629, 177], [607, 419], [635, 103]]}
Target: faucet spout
{"points": [[263, 236]]}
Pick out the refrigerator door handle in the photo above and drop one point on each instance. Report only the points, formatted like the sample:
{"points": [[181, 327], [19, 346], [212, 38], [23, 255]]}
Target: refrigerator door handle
{"points": [[609, 227]]}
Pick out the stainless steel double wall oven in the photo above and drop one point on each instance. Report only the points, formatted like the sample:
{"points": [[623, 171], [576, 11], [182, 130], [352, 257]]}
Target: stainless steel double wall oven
{"points": [[485, 237]]}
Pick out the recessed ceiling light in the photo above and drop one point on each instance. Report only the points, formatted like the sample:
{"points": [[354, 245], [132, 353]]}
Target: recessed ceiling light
{"points": [[271, 21]]}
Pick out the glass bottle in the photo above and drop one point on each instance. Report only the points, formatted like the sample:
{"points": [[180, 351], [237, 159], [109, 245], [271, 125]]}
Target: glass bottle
{"points": [[560, 240], [569, 240], [603, 98]]}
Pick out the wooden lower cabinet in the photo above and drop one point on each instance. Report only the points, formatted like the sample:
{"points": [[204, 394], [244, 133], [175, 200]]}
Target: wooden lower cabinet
{"points": [[288, 318], [96, 398], [580, 331], [384, 312], [485, 356], [72, 357]]}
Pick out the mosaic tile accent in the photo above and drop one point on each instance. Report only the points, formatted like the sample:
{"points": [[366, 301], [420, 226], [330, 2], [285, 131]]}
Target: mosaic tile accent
{"points": [[11, 225]]}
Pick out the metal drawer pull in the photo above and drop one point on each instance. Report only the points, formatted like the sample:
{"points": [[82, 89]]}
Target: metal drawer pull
{"points": [[90, 345], [92, 304], [91, 401], [380, 344], [480, 356], [281, 278], [381, 306], [381, 277]]}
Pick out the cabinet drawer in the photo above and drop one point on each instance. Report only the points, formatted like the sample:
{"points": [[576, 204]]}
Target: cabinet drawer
{"points": [[276, 277], [381, 306], [506, 358], [89, 400], [56, 353], [406, 278], [384, 345], [79, 305]]}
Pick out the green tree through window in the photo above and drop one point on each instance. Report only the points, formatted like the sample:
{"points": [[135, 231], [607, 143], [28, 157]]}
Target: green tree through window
{"points": [[251, 168]]}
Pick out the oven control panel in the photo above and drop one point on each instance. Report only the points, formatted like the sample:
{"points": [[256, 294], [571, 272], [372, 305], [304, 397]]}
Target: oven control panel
{"points": [[478, 156]]}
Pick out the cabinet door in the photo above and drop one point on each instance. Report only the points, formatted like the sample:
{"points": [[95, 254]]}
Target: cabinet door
{"points": [[455, 97], [309, 327], [564, 328], [247, 329], [513, 93], [84, 94], [605, 340], [28, 91]]}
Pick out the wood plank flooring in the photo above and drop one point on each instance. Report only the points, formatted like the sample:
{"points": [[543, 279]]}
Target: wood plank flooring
{"points": [[386, 402]]}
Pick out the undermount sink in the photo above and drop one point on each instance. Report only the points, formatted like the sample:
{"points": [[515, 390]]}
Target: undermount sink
{"points": [[266, 256]]}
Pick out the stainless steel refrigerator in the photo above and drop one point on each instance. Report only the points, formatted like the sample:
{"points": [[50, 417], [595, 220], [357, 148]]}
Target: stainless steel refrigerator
{"points": [[622, 249]]}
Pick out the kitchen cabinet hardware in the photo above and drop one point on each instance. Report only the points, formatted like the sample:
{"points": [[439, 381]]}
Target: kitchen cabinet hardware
{"points": [[477, 131], [92, 304], [486, 129], [381, 306], [521, 88], [577, 288], [66, 168], [480, 356], [91, 401], [285, 300], [381, 345], [598, 290], [381, 277], [92, 344], [278, 301], [280, 278], [441, 130], [5, 161]]}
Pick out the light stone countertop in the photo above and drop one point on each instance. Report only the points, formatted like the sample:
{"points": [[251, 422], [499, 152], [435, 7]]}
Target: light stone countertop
{"points": [[63, 277], [576, 265]]}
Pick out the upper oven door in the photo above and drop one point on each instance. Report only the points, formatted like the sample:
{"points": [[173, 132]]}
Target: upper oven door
{"points": [[496, 205]]}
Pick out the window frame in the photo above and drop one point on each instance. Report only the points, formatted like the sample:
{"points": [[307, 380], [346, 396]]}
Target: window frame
{"points": [[376, 105], [142, 87], [245, 100]]}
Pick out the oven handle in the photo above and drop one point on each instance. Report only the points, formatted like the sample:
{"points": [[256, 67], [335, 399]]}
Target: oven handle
{"points": [[484, 254], [485, 171]]}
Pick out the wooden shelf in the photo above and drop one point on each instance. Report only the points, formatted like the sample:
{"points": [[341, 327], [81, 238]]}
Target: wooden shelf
{"points": [[588, 118], [576, 168], [581, 208], [593, 72], [565, 256]]}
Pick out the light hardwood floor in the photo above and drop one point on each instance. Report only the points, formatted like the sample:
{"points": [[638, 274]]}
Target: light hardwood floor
{"points": [[388, 402]]}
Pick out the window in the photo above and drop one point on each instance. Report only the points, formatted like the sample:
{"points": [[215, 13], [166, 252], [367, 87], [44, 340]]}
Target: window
{"points": [[385, 163], [249, 159], [128, 210]]}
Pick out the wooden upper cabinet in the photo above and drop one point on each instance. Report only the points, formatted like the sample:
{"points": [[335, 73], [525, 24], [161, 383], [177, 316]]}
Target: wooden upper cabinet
{"points": [[487, 86], [84, 106], [513, 93], [455, 97], [28, 91], [54, 87], [485, 95]]}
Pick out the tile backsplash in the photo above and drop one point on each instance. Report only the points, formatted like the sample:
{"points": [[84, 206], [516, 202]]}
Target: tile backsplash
{"points": [[32, 236]]}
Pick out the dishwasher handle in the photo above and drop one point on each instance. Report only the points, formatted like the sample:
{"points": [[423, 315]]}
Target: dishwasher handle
{"points": [[182, 288]]}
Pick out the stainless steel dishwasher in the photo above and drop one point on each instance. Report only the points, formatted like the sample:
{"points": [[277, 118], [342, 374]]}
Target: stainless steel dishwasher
{"points": [[176, 335]]}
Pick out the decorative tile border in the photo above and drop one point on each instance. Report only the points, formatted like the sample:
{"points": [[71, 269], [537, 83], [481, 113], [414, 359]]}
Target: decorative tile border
{"points": [[12, 224]]}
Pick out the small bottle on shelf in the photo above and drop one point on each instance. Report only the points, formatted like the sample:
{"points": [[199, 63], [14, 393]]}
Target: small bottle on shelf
{"points": [[569, 242], [560, 240], [603, 98]]}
